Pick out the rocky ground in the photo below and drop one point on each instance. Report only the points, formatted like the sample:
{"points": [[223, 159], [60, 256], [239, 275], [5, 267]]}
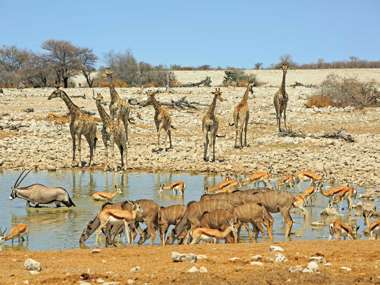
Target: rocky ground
{"points": [[29, 139], [301, 262]]}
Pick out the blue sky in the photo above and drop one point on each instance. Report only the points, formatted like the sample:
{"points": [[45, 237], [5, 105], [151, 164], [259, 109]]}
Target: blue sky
{"points": [[219, 33]]}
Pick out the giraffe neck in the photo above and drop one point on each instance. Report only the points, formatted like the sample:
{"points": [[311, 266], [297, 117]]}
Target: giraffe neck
{"points": [[156, 104], [73, 109], [211, 109], [245, 96], [283, 82], [114, 95], [103, 114]]}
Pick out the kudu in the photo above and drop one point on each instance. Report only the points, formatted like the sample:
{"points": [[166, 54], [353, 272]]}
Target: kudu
{"points": [[194, 212], [149, 217], [218, 219], [37, 194], [168, 216], [256, 215]]}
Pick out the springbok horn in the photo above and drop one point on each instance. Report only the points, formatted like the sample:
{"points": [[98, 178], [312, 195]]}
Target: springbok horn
{"points": [[22, 172], [22, 179]]}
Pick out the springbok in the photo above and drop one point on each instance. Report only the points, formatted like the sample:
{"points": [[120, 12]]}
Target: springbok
{"points": [[338, 229], [177, 187], [106, 196], [109, 215], [19, 231], [227, 185], [337, 194], [259, 176], [40, 194], [301, 199], [206, 234], [218, 219], [374, 230]]}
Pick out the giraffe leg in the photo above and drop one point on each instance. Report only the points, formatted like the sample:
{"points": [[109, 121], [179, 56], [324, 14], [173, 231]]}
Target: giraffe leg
{"points": [[213, 138], [170, 137], [241, 134], [245, 129], [74, 149], [206, 142], [158, 137], [80, 149], [114, 166], [285, 117], [236, 132]]}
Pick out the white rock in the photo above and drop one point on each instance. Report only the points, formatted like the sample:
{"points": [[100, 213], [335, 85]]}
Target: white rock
{"points": [[130, 281], [34, 272], [203, 269], [135, 269], [275, 248], [257, 263], [297, 268], [319, 259], [234, 259], [311, 267], [32, 265], [279, 258], [84, 283], [193, 269], [99, 280], [257, 257], [347, 269]]}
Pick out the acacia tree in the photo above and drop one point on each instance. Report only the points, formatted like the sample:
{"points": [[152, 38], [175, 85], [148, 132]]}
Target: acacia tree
{"points": [[87, 60], [64, 58]]}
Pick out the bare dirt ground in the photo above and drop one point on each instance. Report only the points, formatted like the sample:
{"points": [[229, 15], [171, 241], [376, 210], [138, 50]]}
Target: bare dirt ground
{"points": [[156, 267], [30, 139]]}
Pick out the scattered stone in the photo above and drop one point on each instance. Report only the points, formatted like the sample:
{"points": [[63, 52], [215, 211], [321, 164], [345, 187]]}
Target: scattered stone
{"points": [[233, 259], [327, 264], [26, 282], [279, 258], [32, 265], [193, 269], [318, 258], [203, 269], [130, 281], [311, 267], [95, 250], [99, 280], [111, 283], [135, 269], [29, 110], [34, 272], [84, 283], [257, 263], [275, 248], [347, 269], [297, 268], [179, 257], [84, 276], [257, 257]]}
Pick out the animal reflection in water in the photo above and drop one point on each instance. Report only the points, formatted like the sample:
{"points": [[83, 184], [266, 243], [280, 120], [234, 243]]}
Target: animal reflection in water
{"points": [[38, 194]]}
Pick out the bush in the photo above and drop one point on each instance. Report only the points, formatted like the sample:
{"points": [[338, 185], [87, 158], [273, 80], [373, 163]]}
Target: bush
{"points": [[342, 92], [238, 78]]}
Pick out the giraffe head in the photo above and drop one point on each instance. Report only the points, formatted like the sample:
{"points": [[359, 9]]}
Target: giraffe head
{"points": [[57, 93], [284, 67], [250, 87], [150, 98], [218, 94], [98, 98]]}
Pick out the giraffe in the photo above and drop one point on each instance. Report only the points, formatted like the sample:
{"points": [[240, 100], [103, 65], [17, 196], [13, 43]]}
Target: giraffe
{"points": [[280, 99], [210, 125], [118, 106], [80, 124], [162, 118], [241, 116], [113, 132]]}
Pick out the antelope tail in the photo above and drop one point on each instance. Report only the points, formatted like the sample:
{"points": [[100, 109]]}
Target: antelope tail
{"points": [[71, 202]]}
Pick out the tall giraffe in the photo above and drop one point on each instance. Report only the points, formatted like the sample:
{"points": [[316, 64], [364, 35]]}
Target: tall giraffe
{"points": [[118, 107], [280, 99], [80, 124], [241, 117], [162, 118], [113, 132], [210, 125]]}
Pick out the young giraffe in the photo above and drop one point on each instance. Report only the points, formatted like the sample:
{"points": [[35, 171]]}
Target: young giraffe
{"points": [[80, 124], [241, 116], [210, 125], [280, 99], [113, 132], [118, 107], [162, 118]]}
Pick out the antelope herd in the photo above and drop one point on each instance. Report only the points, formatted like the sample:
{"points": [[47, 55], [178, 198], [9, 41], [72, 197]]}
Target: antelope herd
{"points": [[221, 212]]}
